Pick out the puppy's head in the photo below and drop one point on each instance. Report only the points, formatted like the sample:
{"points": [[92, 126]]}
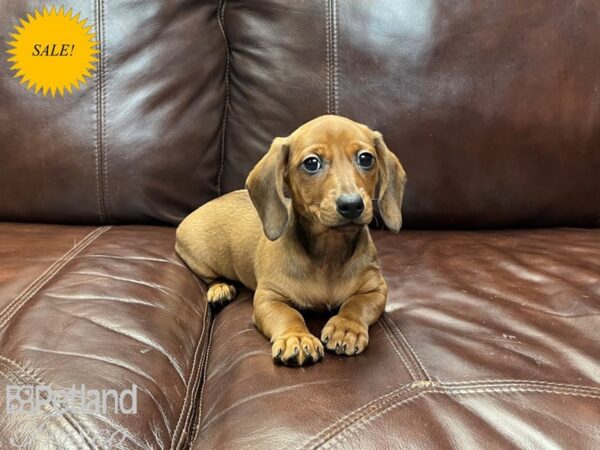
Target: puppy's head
{"points": [[333, 168]]}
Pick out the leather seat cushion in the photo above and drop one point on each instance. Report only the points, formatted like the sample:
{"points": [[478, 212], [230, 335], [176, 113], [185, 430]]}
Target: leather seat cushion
{"points": [[106, 308]]}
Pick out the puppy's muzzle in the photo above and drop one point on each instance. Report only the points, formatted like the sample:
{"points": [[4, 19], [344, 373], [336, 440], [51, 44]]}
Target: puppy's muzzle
{"points": [[350, 206]]}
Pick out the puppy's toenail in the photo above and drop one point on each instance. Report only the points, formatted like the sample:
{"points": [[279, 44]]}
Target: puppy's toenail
{"points": [[355, 350], [326, 339], [306, 350], [296, 351], [344, 347], [278, 353]]}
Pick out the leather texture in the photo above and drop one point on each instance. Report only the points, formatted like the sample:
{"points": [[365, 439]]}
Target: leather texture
{"points": [[141, 142], [489, 340], [106, 308], [490, 106]]}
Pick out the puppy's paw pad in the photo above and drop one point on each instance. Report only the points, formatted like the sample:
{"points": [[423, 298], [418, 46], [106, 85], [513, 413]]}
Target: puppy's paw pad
{"points": [[220, 293], [297, 349], [345, 336]]}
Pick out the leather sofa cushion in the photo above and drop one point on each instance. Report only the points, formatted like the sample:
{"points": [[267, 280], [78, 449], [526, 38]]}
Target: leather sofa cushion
{"points": [[141, 142], [489, 339], [489, 105], [107, 308]]}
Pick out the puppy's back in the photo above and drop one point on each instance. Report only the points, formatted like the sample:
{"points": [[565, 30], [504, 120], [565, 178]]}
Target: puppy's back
{"points": [[220, 238]]}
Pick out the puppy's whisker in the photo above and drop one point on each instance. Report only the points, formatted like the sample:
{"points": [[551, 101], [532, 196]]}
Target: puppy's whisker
{"points": [[376, 221]]}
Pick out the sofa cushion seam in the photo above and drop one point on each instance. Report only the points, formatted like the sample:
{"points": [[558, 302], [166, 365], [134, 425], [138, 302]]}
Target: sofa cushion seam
{"points": [[327, 59], [194, 405], [99, 122], [334, 38], [33, 288], [397, 349], [189, 388], [409, 349], [341, 434], [510, 386], [328, 431], [102, 63], [490, 382], [97, 127], [224, 120], [198, 421]]}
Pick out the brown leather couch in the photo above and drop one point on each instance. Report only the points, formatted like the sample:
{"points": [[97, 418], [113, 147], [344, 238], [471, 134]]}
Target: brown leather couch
{"points": [[491, 336]]}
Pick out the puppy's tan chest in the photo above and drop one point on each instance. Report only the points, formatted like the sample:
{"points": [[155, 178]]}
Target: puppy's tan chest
{"points": [[322, 290]]}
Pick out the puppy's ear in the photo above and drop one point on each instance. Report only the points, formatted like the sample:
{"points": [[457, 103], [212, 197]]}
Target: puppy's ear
{"points": [[392, 179], [265, 186]]}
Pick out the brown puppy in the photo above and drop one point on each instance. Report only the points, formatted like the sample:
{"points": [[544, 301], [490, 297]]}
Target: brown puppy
{"points": [[311, 250]]}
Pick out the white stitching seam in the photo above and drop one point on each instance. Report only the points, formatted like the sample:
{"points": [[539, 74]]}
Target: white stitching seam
{"points": [[197, 385], [334, 35], [102, 63], [11, 309], [344, 434], [201, 399], [328, 54], [523, 382], [411, 351], [398, 352], [221, 21], [97, 127], [189, 383], [510, 386], [323, 435]]}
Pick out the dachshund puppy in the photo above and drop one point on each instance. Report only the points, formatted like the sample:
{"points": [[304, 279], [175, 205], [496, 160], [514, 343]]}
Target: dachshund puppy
{"points": [[298, 237]]}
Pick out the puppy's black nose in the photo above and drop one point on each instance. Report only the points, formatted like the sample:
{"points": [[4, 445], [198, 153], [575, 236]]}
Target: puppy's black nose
{"points": [[350, 206]]}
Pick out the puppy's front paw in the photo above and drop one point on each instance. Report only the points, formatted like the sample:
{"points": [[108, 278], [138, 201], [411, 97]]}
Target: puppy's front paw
{"points": [[345, 336], [220, 293], [297, 349]]}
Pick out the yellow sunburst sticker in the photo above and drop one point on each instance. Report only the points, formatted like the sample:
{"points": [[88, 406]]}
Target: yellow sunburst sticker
{"points": [[53, 51]]}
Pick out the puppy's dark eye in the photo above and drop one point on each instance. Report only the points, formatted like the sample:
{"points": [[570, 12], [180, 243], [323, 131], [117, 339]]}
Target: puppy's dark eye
{"points": [[312, 164], [365, 160]]}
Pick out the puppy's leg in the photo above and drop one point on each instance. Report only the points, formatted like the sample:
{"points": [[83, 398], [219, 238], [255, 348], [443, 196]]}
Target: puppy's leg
{"points": [[348, 332], [285, 327], [220, 292]]}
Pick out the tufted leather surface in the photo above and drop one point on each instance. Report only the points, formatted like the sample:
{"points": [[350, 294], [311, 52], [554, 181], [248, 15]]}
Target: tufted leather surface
{"points": [[141, 142], [489, 340], [491, 106], [277, 86], [106, 308], [479, 99]]}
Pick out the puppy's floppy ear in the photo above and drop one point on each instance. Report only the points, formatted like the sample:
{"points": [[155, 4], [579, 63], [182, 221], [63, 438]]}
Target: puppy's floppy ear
{"points": [[265, 186], [392, 179]]}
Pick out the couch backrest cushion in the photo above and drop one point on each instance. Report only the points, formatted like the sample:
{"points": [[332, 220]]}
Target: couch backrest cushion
{"points": [[141, 142], [491, 106]]}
